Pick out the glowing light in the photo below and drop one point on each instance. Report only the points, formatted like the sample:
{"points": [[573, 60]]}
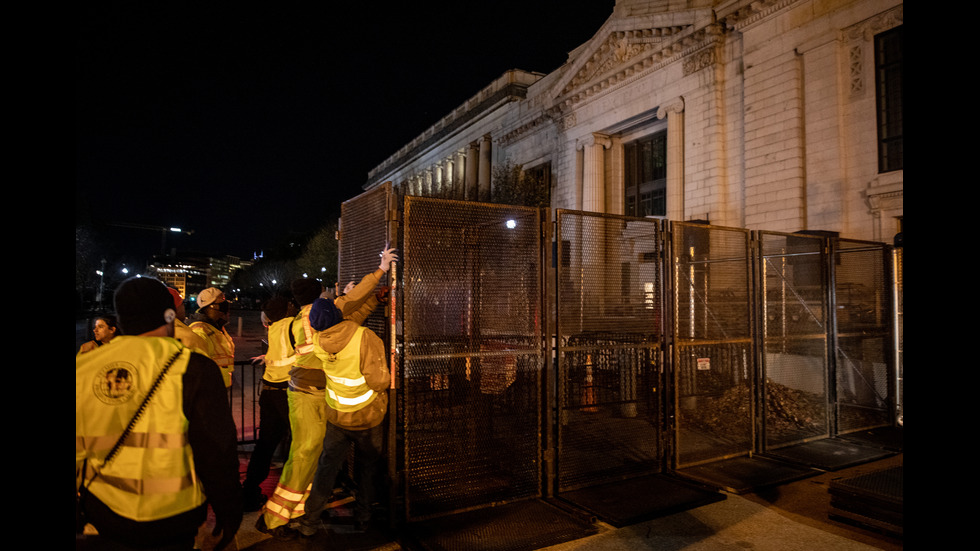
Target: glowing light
{"points": [[511, 224]]}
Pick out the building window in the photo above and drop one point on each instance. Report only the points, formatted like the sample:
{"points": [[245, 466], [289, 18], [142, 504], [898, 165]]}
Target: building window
{"points": [[539, 179], [889, 81], [646, 176]]}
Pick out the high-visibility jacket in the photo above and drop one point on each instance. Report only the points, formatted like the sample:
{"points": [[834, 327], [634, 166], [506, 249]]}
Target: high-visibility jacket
{"points": [[220, 347], [152, 476], [281, 356], [188, 337], [306, 374], [346, 388]]}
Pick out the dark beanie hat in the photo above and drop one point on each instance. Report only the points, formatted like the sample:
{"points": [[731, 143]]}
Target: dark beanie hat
{"points": [[142, 304], [305, 290], [324, 314], [275, 308]]}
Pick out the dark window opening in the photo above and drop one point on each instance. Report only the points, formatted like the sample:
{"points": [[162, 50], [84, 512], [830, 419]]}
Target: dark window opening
{"points": [[646, 176], [889, 84]]}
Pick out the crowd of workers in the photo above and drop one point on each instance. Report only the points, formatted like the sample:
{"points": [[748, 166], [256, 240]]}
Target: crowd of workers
{"points": [[155, 441]]}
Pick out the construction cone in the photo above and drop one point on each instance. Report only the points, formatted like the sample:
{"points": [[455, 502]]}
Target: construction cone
{"points": [[588, 389]]}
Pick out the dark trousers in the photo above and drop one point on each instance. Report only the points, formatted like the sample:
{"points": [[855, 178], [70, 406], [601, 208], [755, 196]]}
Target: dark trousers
{"points": [[273, 429], [336, 444]]}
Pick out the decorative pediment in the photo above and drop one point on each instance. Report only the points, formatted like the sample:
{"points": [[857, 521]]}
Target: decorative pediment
{"points": [[619, 51], [624, 55]]}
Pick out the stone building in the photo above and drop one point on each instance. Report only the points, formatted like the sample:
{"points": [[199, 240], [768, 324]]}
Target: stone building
{"points": [[782, 115]]}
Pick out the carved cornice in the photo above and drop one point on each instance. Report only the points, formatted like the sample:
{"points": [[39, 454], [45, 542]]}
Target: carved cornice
{"points": [[529, 127], [753, 12], [867, 29], [627, 55]]}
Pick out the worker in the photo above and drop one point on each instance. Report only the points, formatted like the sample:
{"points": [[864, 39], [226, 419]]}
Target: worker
{"points": [[182, 332], [212, 316], [154, 444], [307, 398], [304, 397], [277, 316], [357, 377]]}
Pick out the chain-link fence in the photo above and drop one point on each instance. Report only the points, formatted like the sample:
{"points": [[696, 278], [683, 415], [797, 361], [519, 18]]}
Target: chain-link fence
{"points": [[609, 327], [532, 358], [471, 379]]}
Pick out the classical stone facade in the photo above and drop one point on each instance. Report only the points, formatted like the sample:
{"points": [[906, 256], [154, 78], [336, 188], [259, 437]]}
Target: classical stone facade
{"points": [[762, 114]]}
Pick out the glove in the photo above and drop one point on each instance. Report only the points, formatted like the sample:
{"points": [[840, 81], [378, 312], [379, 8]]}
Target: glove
{"points": [[382, 294]]}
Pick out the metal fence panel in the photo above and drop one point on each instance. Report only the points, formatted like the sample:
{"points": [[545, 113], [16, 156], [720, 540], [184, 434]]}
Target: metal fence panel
{"points": [[795, 321], [714, 367], [364, 233], [899, 301], [865, 382], [609, 323], [472, 355]]}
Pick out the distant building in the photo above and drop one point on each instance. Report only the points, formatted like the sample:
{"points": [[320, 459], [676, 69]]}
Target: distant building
{"points": [[191, 275], [783, 115]]}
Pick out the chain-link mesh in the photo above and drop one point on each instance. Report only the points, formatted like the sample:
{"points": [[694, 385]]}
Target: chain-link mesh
{"points": [[610, 320], [363, 235], [713, 359], [473, 355], [795, 321], [864, 336]]}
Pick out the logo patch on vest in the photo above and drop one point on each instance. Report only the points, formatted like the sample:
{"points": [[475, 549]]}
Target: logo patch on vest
{"points": [[116, 383], [330, 357]]}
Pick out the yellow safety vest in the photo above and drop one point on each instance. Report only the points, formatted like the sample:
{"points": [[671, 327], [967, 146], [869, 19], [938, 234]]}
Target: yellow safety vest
{"points": [[303, 334], [280, 356], [346, 388], [152, 475], [220, 347]]}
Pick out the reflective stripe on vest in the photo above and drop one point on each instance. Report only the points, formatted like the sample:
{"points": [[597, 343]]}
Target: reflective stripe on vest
{"points": [[306, 347], [153, 476], [221, 348], [304, 341], [280, 356], [346, 388]]}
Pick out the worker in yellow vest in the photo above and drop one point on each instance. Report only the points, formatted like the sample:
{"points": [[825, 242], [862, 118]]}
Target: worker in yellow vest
{"points": [[357, 376], [182, 332], [212, 316], [154, 443], [307, 398], [277, 316]]}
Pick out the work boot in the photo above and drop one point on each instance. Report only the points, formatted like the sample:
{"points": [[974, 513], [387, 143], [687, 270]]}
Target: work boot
{"points": [[306, 526], [279, 532]]}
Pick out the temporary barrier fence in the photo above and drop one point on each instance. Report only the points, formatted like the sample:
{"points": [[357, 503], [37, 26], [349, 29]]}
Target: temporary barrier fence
{"points": [[533, 358]]}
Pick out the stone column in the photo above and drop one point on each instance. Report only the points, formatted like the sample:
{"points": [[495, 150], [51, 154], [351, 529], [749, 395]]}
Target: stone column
{"points": [[485, 169], [674, 112], [593, 172], [438, 179], [472, 171], [447, 178], [459, 178]]}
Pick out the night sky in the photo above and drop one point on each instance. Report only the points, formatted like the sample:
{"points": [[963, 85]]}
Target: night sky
{"points": [[249, 124]]}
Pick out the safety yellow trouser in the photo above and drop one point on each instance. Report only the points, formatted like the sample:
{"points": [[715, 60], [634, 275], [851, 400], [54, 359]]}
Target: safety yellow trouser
{"points": [[307, 419]]}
